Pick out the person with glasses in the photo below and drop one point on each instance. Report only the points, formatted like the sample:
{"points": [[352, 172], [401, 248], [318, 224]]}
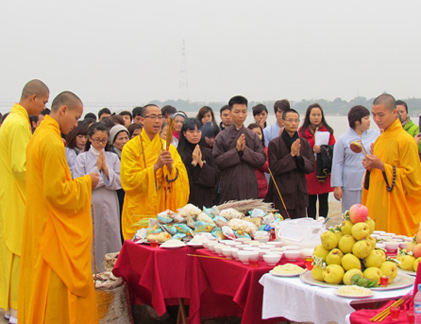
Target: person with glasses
{"points": [[97, 158], [153, 175], [290, 159], [75, 143]]}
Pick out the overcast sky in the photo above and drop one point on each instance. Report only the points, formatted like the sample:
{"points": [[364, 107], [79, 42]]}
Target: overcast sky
{"points": [[130, 51]]}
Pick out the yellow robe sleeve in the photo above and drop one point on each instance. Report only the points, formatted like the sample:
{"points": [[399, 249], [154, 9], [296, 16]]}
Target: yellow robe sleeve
{"points": [[66, 241]]}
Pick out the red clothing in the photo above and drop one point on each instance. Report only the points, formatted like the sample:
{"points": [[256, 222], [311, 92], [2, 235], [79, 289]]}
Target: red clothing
{"points": [[314, 186], [262, 183]]}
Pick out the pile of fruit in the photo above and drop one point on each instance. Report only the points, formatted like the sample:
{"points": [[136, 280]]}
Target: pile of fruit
{"points": [[348, 253], [411, 255]]}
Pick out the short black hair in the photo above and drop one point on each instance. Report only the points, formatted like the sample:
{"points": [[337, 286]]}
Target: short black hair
{"points": [[90, 115], [284, 114], [226, 107], [258, 109], [126, 113], [402, 103], [281, 105], [356, 113], [239, 100], [45, 112], [137, 111], [210, 130], [103, 111], [168, 110]]}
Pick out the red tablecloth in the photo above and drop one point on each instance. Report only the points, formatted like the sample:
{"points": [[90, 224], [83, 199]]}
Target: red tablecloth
{"points": [[154, 275], [212, 287], [237, 281]]}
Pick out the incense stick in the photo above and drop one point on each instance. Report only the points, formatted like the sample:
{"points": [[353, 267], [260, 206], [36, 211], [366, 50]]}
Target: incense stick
{"points": [[279, 193], [207, 256], [170, 132]]}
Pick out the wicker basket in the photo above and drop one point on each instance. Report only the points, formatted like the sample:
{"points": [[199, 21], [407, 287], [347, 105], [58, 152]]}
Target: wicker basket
{"points": [[112, 300]]}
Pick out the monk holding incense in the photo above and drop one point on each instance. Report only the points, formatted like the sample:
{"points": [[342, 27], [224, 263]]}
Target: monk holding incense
{"points": [[152, 174], [238, 151], [392, 184], [56, 284], [14, 137]]}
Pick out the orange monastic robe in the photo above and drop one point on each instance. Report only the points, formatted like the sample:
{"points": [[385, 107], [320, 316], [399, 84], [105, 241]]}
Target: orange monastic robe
{"points": [[147, 193], [56, 283], [398, 211]]}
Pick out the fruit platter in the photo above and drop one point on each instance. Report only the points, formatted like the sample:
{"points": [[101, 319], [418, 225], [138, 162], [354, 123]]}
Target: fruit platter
{"points": [[349, 255]]}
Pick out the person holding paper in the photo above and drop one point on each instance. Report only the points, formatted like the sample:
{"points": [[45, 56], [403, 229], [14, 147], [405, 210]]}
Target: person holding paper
{"points": [[319, 134]]}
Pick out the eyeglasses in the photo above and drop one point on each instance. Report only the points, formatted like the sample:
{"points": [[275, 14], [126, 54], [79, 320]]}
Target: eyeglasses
{"points": [[154, 116], [292, 120], [98, 140]]}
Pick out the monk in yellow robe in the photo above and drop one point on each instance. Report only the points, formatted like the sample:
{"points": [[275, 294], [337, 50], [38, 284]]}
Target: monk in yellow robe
{"points": [[153, 178], [392, 184], [56, 284], [14, 137]]}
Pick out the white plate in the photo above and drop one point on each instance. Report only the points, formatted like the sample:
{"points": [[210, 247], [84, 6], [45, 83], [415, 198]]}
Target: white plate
{"points": [[171, 247], [401, 281], [285, 275], [195, 244], [354, 296], [408, 272]]}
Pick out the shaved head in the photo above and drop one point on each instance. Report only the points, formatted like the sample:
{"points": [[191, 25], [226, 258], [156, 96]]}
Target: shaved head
{"points": [[145, 109], [66, 98], [387, 100], [34, 87]]}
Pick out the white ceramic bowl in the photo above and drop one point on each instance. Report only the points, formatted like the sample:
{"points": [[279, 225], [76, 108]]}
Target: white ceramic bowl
{"points": [[292, 255], [277, 250], [262, 239], [241, 239], [274, 243], [234, 252], [218, 249], [266, 247], [272, 258], [227, 252], [391, 246], [380, 246], [291, 247], [402, 245], [211, 246], [306, 252], [228, 242], [244, 256]]}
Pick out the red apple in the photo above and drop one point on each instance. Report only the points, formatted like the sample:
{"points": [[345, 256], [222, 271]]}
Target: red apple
{"points": [[417, 251], [358, 213]]}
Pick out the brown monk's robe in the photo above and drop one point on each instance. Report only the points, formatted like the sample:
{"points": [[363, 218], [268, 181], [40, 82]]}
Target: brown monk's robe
{"points": [[238, 179], [289, 173], [55, 283]]}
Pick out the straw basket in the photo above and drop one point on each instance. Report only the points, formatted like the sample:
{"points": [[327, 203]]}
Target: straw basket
{"points": [[112, 298]]}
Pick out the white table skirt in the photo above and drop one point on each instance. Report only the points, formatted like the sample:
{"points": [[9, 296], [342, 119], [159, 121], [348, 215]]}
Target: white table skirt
{"points": [[297, 301]]}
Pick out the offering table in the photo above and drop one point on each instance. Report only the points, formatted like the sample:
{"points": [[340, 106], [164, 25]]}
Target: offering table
{"points": [[211, 287], [307, 303]]}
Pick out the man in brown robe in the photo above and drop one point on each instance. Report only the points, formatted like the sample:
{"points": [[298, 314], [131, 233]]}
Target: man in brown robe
{"points": [[290, 158], [238, 151]]}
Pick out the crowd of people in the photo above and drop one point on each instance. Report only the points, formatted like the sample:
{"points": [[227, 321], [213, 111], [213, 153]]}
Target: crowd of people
{"points": [[67, 184]]}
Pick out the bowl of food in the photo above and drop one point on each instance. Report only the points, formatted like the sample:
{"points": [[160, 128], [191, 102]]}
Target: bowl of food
{"points": [[292, 255], [262, 239], [391, 246], [272, 258]]}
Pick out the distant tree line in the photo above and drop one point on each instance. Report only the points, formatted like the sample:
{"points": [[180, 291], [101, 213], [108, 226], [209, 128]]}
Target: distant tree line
{"points": [[336, 107]]}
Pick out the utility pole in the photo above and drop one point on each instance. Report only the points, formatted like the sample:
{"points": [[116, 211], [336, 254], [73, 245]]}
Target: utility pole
{"points": [[183, 87]]}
